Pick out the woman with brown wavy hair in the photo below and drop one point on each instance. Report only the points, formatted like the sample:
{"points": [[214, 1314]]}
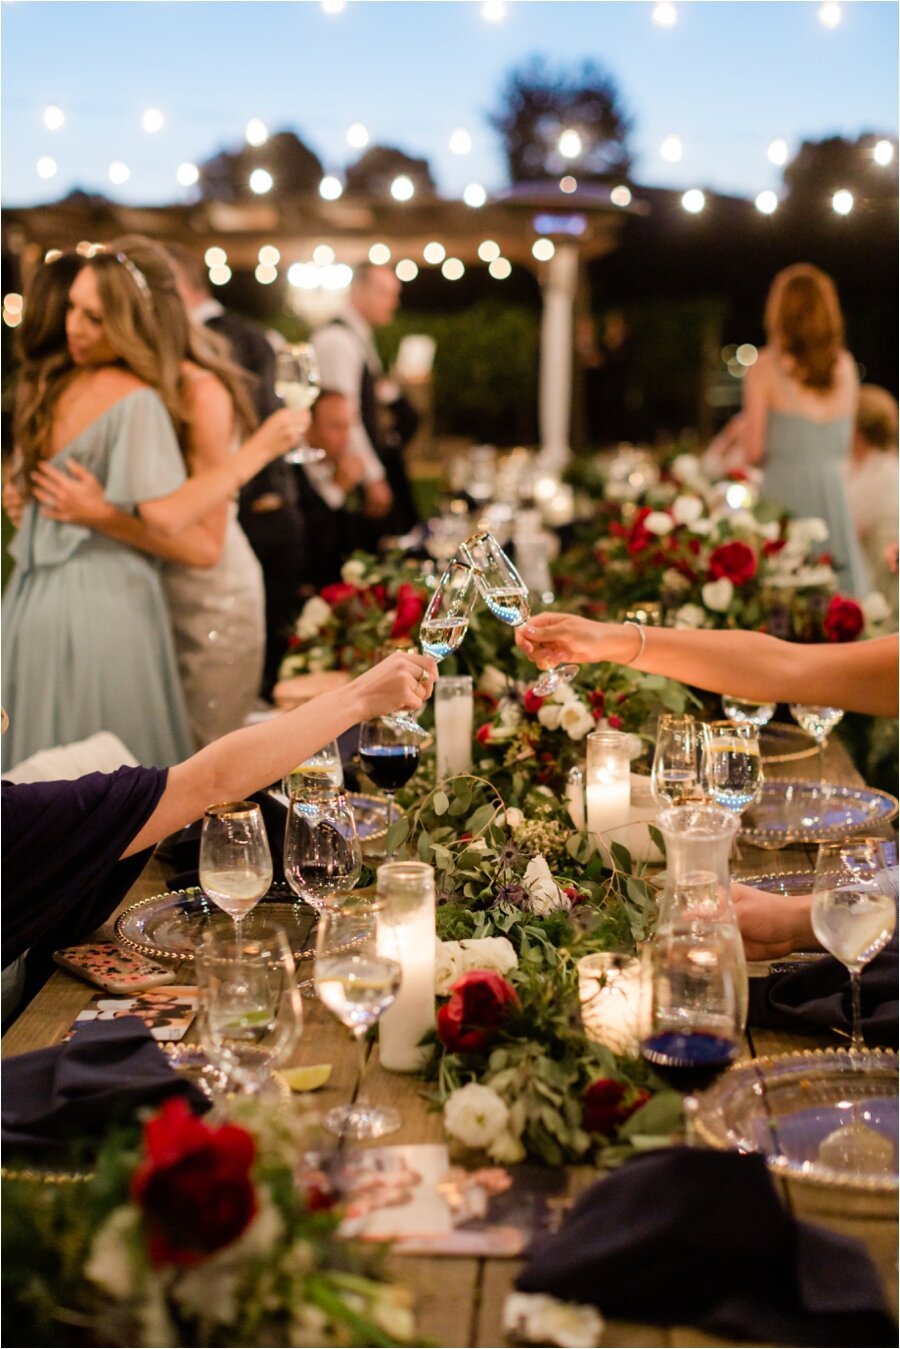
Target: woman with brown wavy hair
{"points": [[799, 405]]}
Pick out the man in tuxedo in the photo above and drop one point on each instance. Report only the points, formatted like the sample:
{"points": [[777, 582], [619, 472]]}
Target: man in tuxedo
{"points": [[350, 364], [269, 508], [331, 490]]}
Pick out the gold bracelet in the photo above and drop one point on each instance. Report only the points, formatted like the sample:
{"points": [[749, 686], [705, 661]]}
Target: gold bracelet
{"points": [[642, 639]]}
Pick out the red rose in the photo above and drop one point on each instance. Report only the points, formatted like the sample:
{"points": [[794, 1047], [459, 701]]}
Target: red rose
{"points": [[604, 1109], [337, 593], [736, 561], [773, 546], [844, 619], [193, 1185], [616, 722], [640, 538], [469, 1022], [410, 608], [532, 702], [483, 734]]}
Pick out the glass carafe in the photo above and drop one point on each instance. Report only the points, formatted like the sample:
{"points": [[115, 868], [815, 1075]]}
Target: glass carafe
{"points": [[697, 893]]}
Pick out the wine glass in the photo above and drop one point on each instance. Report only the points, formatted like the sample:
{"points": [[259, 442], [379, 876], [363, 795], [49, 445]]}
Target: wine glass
{"points": [[742, 710], [390, 755], [297, 384], [321, 772], [675, 775], [506, 595], [443, 627], [818, 722], [357, 978], [853, 912], [690, 1009], [251, 1013], [235, 862], [322, 856], [731, 766]]}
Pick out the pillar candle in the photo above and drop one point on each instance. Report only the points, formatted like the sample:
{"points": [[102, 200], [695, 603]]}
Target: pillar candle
{"points": [[406, 894], [454, 725]]}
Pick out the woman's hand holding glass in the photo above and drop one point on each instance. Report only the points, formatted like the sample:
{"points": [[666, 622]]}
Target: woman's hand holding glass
{"points": [[297, 382]]}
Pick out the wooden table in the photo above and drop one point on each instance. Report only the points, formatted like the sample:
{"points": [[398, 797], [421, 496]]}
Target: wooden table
{"points": [[460, 1300]]}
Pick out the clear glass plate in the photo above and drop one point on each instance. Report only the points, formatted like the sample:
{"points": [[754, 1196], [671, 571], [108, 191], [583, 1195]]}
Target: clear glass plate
{"points": [[814, 812], [782, 742], [823, 1116], [169, 926]]}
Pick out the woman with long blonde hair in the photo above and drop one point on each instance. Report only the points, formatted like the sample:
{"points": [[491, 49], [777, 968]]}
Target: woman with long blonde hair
{"points": [[799, 406]]}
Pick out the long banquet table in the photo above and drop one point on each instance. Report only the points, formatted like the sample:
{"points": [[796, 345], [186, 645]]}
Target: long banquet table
{"points": [[460, 1299]]}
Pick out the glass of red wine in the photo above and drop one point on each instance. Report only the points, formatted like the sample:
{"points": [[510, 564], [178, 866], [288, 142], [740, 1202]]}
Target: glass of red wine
{"points": [[692, 1025], [389, 753]]}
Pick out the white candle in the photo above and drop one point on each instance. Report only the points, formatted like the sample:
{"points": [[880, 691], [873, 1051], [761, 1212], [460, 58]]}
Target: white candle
{"points": [[454, 725], [609, 990], [608, 805], [407, 919], [608, 785]]}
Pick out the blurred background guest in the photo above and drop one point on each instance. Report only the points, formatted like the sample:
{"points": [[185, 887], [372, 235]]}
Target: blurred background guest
{"points": [[873, 485], [329, 490]]}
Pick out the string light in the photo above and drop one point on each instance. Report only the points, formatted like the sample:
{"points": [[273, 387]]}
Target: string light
{"points": [[402, 188], [671, 149], [434, 253], [766, 203], [333, 6], [621, 195], [331, 188], [119, 172], [187, 174], [54, 117], [379, 254], [665, 15], [46, 166], [453, 269], [215, 257], [693, 201], [842, 202], [883, 153], [323, 255], [12, 309], [474, 195], [337, 276], [488, 250], [829, 14], [746, 354], [269, 255], [406, 270], [358, 136], [493, 11], [778, 151], [568, 184], [266, 273], [153, 120], [569, 144], [500, 269], [460, 141], [220, 275], [543, 249], [261, 181], [256, 133], [304, 276]]}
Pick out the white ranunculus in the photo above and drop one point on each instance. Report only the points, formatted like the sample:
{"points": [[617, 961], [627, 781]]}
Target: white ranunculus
{"points": [[875, 607], [550, 716], [658, 522], [353, 572], [314, 615], [109, 1263], [493, 682], [488, 953], [809, 530], [448, 965], [717, 595], [686, 468], [576, 720], [687, 509], [507, 1149], [475, 1115], [543, 894], [690, 616], [537, 1318], [515, 818]]}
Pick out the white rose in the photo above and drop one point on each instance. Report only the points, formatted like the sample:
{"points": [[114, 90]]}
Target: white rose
{"points": [[658, 522], [475, 1115], [448, 965], [809, 530], [686, 468], [564, 694], [314, 615], [515, 818], [544, 895], [576, 720], [493, 682], [550, 716], [353, 572], [821, 575], [717, 595], [702, 526], [875, 607], [690, 616], [507, 1149], [536, 1318], [687, 509], [744, 520], [488, 953]]}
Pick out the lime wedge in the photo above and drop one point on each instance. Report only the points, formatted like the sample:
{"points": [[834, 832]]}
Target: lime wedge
{"points": [[307, 1078]]}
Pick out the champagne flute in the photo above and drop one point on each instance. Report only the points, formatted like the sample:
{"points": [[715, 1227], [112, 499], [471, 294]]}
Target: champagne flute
{"points": [[742, 710], [818, 722], [297, 384], [731, 765], [235, 862], [357, 978], [322, 856], [251, 1013], [853, 912], [390, 755], [674, 776]]}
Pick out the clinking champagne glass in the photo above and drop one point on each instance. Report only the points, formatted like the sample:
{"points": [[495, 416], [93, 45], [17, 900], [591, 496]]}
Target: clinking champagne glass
{"points": [[853, 911], [235, 862], [443, 627], [297, 384], [731, 765], [818, 722], [675, 776], [357, 978]]}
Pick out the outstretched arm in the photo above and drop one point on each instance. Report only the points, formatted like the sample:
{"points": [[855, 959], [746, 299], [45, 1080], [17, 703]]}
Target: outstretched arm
{"points": [[857, 676]]}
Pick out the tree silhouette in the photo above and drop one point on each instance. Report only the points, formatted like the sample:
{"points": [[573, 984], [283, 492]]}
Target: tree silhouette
{"points": [[537, 104], [293, 166], [377, 167], [821, 168]]}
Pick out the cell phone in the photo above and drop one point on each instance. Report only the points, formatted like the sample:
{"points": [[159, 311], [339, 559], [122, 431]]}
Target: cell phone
{"points": [[106, 965]]}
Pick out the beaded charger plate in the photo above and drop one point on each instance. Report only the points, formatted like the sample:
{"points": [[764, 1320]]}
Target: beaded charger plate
{"points": [[781, 742], [814, 812], [824, 1116], [169, 926]]}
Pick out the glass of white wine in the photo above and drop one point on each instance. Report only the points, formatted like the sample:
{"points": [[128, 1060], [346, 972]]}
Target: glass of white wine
{"points": [[297, 384], [742, 710], [818, 722], [731, 767], [235, 862], [321, 772], [675, 775], [853, 911], [357, 978], [322, 855]]}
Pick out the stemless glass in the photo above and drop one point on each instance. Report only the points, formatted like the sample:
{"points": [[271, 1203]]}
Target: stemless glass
{"points": [[322, 856], [322, 772], [731, 765], [853, 911], [235, 862], [251, 1013], [390, 755], [297, 384], [741, 710], [675, 775], [818, 722], [357, 979]]}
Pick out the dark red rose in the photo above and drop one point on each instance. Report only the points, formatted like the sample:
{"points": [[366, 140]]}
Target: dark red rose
{"points": [[773, 546], [193, 1185], [483, 734], [597, 698], [337, 593], [844, 619], [478, 1004], [410, 608], [616, 722], [293, 641], [604, 1108], [532, 702], [736, 561], [379, 594], [640, 538]]}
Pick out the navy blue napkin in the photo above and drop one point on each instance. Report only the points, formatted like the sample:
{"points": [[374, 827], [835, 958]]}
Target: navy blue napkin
{"points": [[699, 1238], [72, 1092], [816, 996]]}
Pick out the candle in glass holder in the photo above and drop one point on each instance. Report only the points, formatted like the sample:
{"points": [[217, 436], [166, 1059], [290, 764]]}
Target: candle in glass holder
{"points": [[406, 892], [609, 991], [608, 784], [454, 725]]}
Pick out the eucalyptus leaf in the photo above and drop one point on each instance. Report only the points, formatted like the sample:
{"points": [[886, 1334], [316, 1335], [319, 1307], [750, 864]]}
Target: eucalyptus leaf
{"points": [[397, 834], [662, 1114], [440, 803]]}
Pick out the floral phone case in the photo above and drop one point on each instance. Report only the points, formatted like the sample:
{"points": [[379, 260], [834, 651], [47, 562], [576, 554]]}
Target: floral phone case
{"points": [[105, 964]]}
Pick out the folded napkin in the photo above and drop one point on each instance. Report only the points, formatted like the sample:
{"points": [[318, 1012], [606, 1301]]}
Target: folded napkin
{"points": [[699, 1238], [816, 997], [70, 1092]]}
